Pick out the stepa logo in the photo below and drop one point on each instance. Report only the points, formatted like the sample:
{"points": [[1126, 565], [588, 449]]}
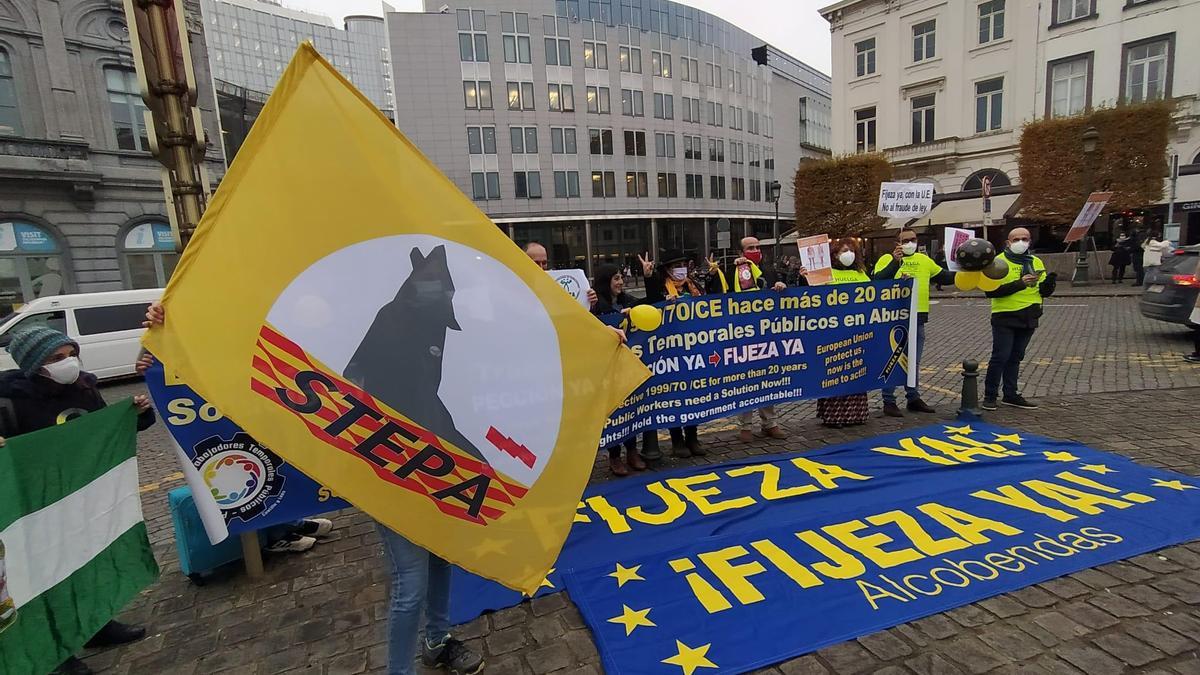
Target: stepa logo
{"points": [[241, 475], [569, 284]]}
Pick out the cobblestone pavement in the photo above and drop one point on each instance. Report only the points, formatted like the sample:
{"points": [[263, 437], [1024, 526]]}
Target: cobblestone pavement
{"points": [[1105, 377]]}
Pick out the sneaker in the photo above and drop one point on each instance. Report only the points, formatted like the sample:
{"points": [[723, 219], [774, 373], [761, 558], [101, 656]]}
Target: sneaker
{"points": [[1018, 401], [989, 403], [292, 544], [892, 410], [116, 633], [917, 405], [452, 655], [73, 666], [315, 527], [1192, 358]]}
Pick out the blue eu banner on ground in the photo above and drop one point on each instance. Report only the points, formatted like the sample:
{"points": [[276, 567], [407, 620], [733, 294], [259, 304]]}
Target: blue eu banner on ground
{"points": [[720, 355], [253, 487]]}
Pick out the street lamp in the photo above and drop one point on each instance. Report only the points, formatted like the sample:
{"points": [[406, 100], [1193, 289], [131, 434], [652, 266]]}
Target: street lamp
{"points": [[1089, 139], [774, 188]]}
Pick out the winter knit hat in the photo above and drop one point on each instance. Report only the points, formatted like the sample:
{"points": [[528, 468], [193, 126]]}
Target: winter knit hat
{"points": [[31, 347]]}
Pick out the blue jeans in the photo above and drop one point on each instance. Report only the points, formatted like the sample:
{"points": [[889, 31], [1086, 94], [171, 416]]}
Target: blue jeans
{"points": [[1008, 349], [910, 393], [419, 579]]}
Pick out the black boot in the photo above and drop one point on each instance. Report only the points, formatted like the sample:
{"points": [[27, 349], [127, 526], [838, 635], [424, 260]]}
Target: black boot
{"points": [[116, 633], [678, 448], [692, 442], [650, 451], [73, 666]]}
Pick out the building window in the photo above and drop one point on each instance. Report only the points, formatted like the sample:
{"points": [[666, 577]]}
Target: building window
{"points": [[716, 114], [566, 184], [1069, 86], [716, 150], [477, 95], [864, 130], [481, 140], [737, 189], [922, 118], [636, 184], [716, 187], [595, 55], [667, 187], [125, 103], [1070, 10], [485, 185], [1147, 70], [991, 21], [660, 63], [975, 181], [10, 113], [635, 143], [558, 49], [864, 57], [691, 110], [755, 190], [924, 40], [562, 140], [712, 75], [527, 184], [515, 35], [692, 148], [664, 106], [631, 59], [664, 144], [148, 255], [601, 141], [737, 153], [989, 104], [689, 69], [562, 97], [520, 96], [472, 36], [524, 140], [604, 184], [30, 265], [631, 103], [598, 100], [693, 185]]}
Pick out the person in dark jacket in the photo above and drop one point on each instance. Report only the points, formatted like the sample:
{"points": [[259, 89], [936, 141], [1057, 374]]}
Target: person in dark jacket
{"points": [[51, 389], [611, 298], [1122, 255], [670, 280]]}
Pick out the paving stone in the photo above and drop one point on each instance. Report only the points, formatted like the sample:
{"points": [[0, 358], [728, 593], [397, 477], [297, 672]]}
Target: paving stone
{"points": [[885, 645], [507, 665], [1090, 660], [507, 618], [1060, 626], [1065, 587], [1145, 596], [848, 658], [1126, 572], [1011, 642], [1160, 637], [549, 659], [547, 604], [505, 641], [1128, 650], [1119, 607], [937, 626], [1095, 579], [931, 664], [1179, 588], [805, 665], [1003, 606], [1088, 615], [973, 655], [582, 646], [1156, 563], [546, 629], [1032, 596]]}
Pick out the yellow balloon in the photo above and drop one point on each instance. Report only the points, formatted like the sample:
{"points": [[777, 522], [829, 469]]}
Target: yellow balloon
{"points": [[987, 284], [966, 281], [645, 317]]}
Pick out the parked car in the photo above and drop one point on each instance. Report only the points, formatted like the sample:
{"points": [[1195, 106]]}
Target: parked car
{"points": [[107, 326], [1171, 288]]}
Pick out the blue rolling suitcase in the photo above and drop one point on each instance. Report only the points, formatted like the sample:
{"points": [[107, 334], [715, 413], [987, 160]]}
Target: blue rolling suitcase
{"points": [[197, 557]]}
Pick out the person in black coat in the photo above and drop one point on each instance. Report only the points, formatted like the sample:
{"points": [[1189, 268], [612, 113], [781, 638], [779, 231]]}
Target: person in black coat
{"points": [[1122, 255]]}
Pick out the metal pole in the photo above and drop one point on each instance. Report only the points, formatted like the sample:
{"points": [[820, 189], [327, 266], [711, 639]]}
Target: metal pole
{"points": [[776, 230], [707, 240], [587, 239], [1171, 199]]}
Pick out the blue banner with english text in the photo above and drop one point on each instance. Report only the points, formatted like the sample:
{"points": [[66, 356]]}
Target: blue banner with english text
{"points": [[738, 566], [719, 355]]}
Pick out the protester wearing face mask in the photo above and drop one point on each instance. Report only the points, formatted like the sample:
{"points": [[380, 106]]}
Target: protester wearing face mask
{"points": [[1016, 309], [50, 389], [849, 268], [922, 270], [746, 275], [670, 281]]}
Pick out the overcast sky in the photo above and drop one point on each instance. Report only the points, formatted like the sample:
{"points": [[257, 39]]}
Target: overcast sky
{"points": [[792, 25]]}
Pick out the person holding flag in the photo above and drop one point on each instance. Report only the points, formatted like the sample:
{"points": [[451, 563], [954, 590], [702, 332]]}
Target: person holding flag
{"points": [[48, 389], [923, 271]]}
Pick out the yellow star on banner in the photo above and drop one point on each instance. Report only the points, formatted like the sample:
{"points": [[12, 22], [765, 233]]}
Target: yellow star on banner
{"points": [[545, 583], [624, 575], [1015, 439], [632, 618], [1173, 484], [1059, 456], [690, 659], [1097, 468], [488, 546], [962, 431]]}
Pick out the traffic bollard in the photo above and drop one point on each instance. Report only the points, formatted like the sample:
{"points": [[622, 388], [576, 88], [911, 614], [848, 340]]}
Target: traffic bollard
{"points": [[969, 410]]}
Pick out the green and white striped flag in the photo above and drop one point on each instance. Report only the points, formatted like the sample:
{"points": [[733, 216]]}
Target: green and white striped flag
{"points": [[73, 547]]}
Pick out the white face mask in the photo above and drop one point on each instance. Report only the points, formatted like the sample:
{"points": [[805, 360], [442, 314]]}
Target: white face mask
{"points": [[909, 247], [678, 273], [1019, 247], [846, 258], [63, 372]]}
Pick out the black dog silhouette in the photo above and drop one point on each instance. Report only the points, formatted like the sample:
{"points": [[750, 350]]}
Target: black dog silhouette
{"points": [[399, 360]]}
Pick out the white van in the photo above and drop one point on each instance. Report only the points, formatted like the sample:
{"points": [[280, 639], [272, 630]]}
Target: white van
{"points": [[107, 326]]}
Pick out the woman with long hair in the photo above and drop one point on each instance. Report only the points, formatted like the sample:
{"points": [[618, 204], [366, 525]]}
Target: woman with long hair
{"points": [[611, 298]]}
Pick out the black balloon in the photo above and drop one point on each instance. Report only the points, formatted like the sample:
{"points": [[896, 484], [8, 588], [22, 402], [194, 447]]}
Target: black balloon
{"points": [[998, 269], [975, 255]]}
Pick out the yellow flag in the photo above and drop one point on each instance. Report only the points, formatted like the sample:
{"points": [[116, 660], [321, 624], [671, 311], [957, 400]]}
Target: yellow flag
{"points": [[351, 309]]}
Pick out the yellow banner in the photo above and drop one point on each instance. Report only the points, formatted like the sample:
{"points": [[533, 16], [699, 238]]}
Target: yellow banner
{"points": [[351, 309]]}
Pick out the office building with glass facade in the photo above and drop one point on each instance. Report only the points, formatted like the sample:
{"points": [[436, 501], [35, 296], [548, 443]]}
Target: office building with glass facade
{"points": [[603, 129]]}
